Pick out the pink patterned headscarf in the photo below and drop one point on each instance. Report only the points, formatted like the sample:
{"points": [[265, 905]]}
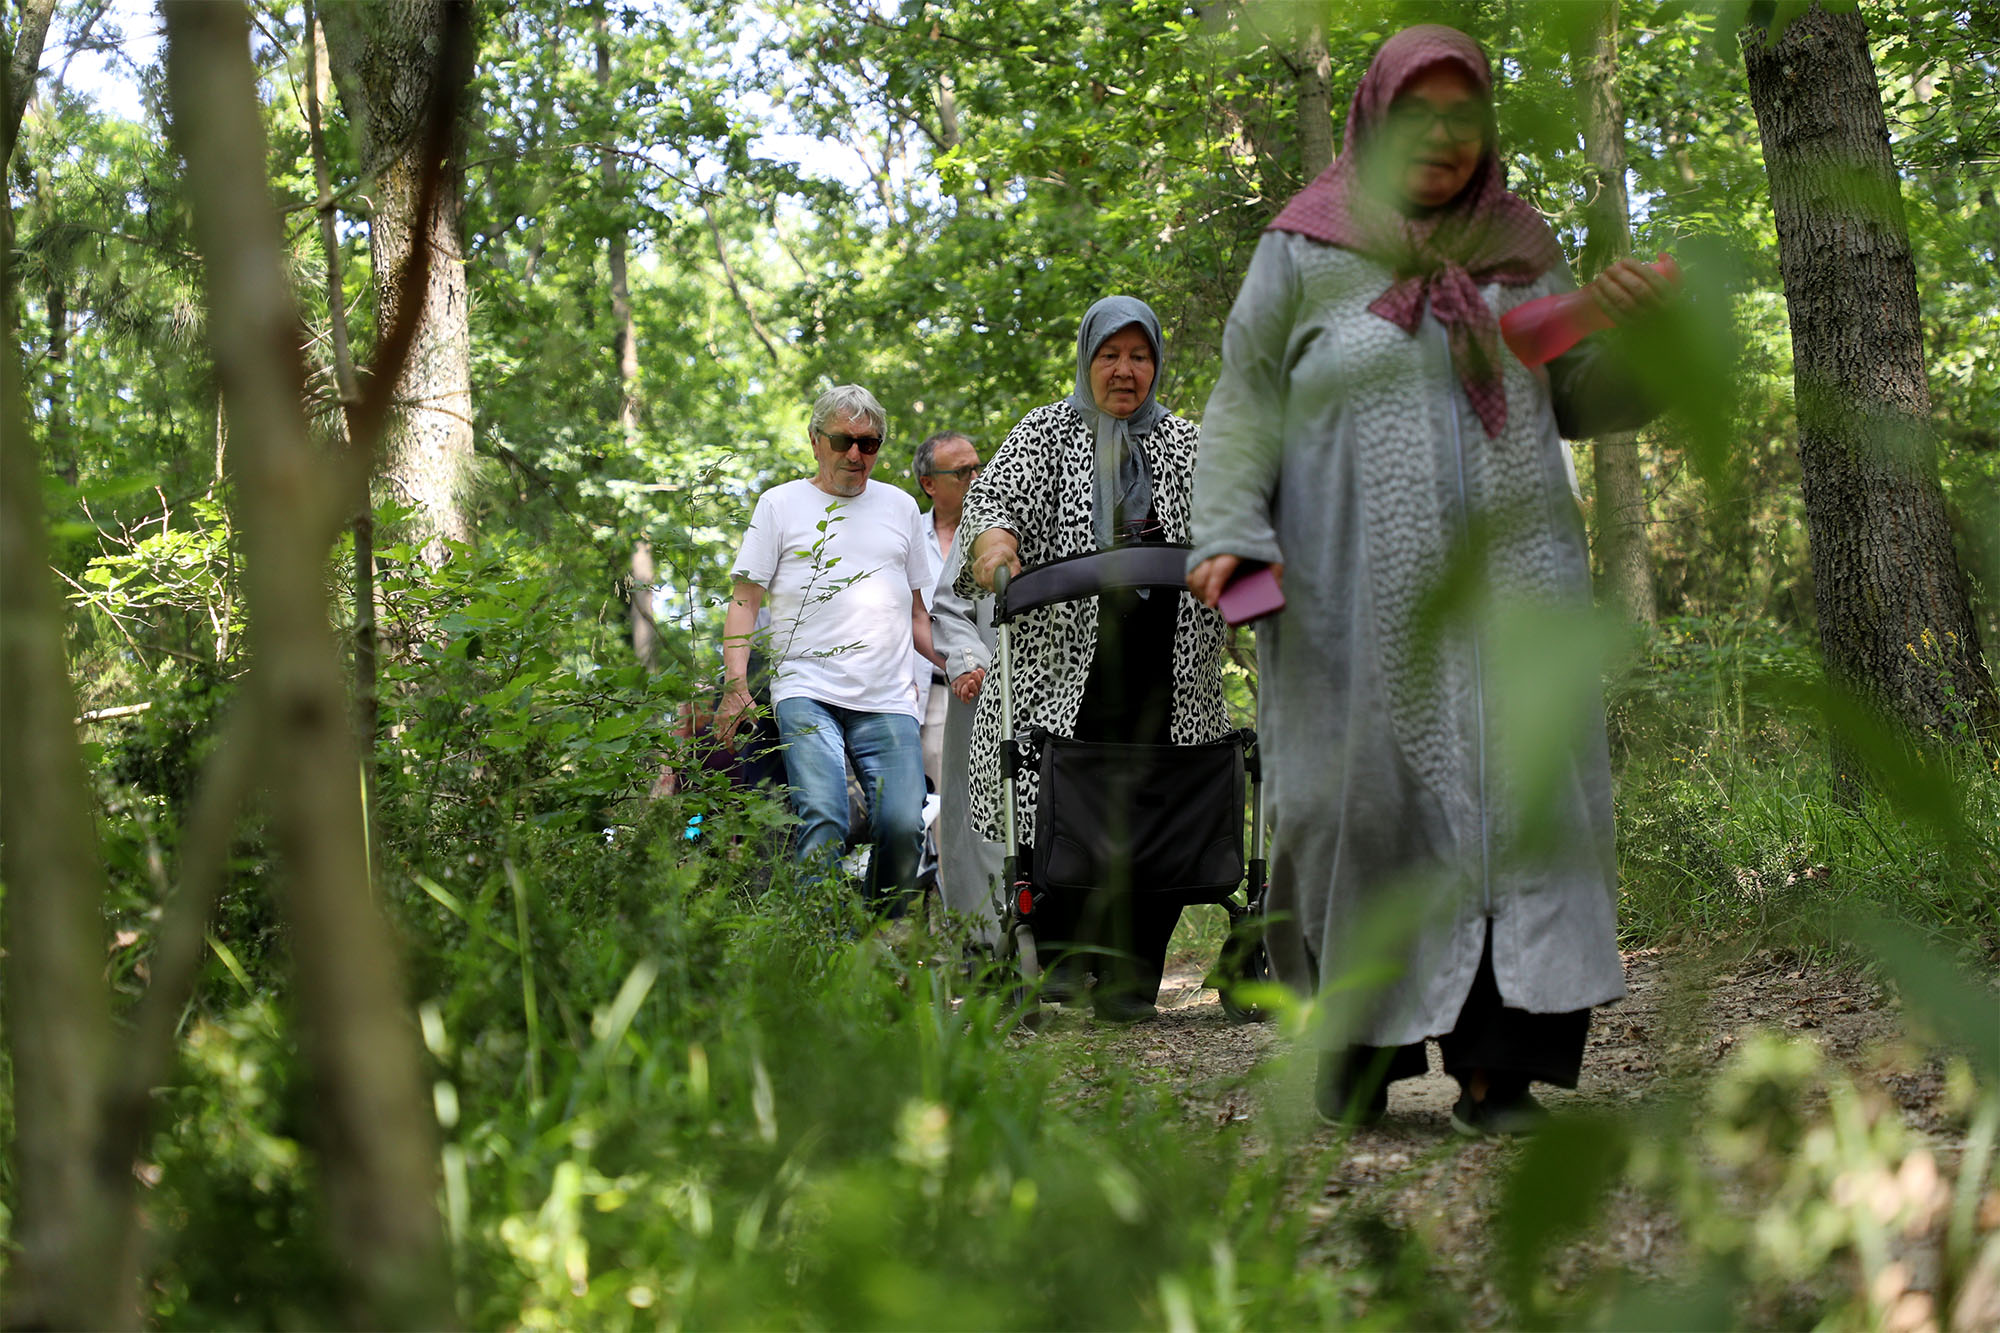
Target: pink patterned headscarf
{"points": [[1486, 234]]}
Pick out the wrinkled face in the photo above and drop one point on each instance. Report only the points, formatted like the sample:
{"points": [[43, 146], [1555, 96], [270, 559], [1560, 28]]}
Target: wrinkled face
{"points": [[1121, 373], [1435, 133], [947, 481], [843, 466]]}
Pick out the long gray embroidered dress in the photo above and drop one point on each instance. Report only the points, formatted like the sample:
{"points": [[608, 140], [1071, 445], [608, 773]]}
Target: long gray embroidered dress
{"points": [[1346, 448]]}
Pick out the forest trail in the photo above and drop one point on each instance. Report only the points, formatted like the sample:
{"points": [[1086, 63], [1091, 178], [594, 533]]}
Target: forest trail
{"points": [[1681, 1019]]}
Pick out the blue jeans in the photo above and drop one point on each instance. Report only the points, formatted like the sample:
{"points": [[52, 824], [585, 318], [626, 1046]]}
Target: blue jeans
{"points": [[887, 754]]}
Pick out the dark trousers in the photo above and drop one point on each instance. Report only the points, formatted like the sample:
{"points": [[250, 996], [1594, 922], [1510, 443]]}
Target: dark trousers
{"points": [[1512, 1046], [1120, 937]]}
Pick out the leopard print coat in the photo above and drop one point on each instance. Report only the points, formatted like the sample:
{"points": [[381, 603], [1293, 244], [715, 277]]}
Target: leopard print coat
{"points": [[1039, 487]]}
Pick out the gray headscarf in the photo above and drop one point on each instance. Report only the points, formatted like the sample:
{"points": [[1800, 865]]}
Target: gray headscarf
{"points": [[1124, 484]]}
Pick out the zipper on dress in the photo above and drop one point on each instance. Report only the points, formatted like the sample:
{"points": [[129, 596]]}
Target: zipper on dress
{"points": [[1478, 669]]}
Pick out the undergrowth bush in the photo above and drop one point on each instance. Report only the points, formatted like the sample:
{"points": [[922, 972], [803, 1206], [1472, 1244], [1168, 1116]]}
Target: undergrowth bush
{"points": [[675, 1101], [1734, 825]]}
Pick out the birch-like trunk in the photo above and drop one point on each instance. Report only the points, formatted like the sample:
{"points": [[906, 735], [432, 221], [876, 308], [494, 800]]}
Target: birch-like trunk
{"points": [[1315, 75], [1625, 565]]}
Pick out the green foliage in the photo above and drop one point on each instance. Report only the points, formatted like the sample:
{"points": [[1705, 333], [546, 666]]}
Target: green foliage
{"points": [[1733, 820], [753, 1112], [675, 1085], [1804, 1199]]}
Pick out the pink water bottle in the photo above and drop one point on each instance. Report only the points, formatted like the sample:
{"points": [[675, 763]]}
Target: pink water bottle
{"points": [[1544, 329]]}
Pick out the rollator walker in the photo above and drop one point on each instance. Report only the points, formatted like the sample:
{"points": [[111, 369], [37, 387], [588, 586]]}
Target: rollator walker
{"points": [[1184, 841]]}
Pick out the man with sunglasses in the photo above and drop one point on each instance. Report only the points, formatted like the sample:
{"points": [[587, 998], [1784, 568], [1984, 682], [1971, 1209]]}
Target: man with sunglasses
{"points": [[846, 565]]}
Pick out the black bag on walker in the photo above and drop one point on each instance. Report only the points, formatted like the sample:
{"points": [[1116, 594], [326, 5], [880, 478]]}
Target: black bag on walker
{"points": [[1165, 821]]}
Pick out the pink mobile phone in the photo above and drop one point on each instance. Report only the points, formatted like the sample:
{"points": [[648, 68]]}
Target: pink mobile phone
{"points": [[1253, 594]]}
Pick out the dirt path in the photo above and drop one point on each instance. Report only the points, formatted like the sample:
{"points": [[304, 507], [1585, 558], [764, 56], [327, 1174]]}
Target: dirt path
{"points": [[1681, 1019]]}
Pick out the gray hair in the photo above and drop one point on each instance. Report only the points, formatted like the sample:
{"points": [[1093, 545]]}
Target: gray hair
{"points": [[920, 466], [848, 400]]}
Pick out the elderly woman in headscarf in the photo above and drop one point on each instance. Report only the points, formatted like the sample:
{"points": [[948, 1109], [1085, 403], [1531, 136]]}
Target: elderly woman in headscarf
{"points": [[1371, 439], [1105, 466]]}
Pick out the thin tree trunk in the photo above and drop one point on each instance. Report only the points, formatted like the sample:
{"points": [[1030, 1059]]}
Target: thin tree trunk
{"points": [[625, 351], [373, 1117], [625, 338], [1895, 623], [645, 632], [24, 63], [65, 1199], [367, 703], [384, 57], [70, 1224], [1315, 75], [729, 277], [61, 449], [947, 105], [1625, 565]]}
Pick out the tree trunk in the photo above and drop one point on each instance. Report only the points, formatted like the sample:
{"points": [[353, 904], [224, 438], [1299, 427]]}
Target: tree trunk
{"points": [[373, 1118], [645, 632], [625, 351], [1315, 74], [1895, 623], [1625, 566], [66, 1200], [385, 58], [24, 64], [625, 338], [367, 697], [69, 1228]]}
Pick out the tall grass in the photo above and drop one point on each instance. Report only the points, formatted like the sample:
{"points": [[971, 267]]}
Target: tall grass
{"points": [[751, 1111], [678, 1087], [1734, 825]]}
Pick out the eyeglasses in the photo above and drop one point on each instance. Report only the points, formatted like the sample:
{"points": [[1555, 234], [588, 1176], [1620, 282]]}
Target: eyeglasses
{"points": [[966, 473], [1463, 121], [842, 442]]}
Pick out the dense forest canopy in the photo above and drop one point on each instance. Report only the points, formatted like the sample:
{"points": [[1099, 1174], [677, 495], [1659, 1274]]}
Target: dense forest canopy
{"points": [[956, 184], [559, 283]]}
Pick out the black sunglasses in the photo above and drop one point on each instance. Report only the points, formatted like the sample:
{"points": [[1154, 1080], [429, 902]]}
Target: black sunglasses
{"points": [[962, 473], [842, 442]]}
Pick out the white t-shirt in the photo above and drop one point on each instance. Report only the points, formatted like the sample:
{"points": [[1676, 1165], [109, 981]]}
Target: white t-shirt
{"points": [[921, 669], [839, 596]]}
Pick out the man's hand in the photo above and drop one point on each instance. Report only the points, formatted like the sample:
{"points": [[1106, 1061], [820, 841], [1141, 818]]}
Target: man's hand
{"points": [[736, 702], [965, 688], [990, 550]]}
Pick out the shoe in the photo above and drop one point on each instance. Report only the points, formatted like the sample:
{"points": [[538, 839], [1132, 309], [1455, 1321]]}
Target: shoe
{"points": [[1123, 1009], [1498, 1117], [1058, 989], [1063, 983], [1333, 1096]]}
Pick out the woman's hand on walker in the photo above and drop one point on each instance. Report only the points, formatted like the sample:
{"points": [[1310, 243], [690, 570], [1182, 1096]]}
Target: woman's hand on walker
{"points": [[1207, 579], [965, 688], [990, 550], [1629, 290]]}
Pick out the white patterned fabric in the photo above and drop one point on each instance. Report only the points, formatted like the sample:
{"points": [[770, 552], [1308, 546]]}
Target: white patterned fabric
{"points": [[1039, 486], [1346, 448]]}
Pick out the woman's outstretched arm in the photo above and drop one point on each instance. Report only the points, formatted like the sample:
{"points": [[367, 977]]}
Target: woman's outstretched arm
{"points": [[1242, 444]]}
